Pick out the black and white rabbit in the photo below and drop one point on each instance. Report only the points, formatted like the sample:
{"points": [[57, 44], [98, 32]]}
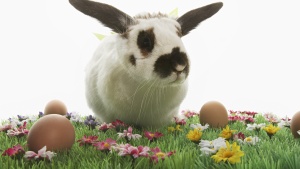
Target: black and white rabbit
{"points": [[139, 75]]}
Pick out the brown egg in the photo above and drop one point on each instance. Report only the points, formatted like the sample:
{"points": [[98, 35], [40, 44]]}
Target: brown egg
{"points": [[55, 107], [214, 114], [295, 124], [54, 131]]}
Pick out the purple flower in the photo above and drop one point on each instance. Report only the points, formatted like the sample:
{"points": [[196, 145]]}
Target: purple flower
{"points": [[91, 122], [21, 118], [41, 114]]}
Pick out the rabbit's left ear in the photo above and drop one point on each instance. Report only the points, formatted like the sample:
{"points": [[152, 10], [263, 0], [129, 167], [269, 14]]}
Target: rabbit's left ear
{"points": [[191, 19]]}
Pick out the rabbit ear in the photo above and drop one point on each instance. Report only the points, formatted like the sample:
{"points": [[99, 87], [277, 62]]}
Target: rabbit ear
{"points": [[108, 15], [191, 19]]}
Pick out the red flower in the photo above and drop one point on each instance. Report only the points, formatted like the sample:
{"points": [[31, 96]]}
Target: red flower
{"points": [[90, 140], [104, 127], [118, 123], [105, 145], [152, 136], [188, 113], [158, 154], [179, 122], [239, 135], [14, 151]]}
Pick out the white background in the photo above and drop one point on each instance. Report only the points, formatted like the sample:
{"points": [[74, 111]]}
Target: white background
{"points": [[246, 56]]}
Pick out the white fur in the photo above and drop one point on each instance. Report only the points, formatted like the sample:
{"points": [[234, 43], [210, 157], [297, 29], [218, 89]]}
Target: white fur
{"points": [[116, 89]]}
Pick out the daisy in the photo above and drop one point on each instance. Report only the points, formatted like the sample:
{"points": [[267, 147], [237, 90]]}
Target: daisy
{"points": [[87, 140], [152, 136], [158, 154], [211, 147], [251, 140], [14, 151], [255, 126], [271, 130], [227, 133], [194, 135], [127, 134], [230, 153], [105, 145], [42, 154], [199, 126]]}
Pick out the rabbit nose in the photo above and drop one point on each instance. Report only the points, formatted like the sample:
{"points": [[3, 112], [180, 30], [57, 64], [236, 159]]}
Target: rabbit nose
{"points": [[178, 60], [180, 68]]}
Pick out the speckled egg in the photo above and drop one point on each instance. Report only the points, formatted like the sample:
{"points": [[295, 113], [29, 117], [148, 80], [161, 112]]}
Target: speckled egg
{"points": [[295, 124], [214, 113], [55, 107], [54, 131]]}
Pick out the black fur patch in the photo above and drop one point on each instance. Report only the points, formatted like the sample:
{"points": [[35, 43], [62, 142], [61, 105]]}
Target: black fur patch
{"points": [[166, 64], [145, 41], [132, 60]]}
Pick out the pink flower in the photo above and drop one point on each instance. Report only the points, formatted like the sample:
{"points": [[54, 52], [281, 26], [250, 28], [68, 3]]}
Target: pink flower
{"points": [[19, 132], [250, 113], [105, 145], [188, 113], [179, 122], [239, 136], [118, 123], [14, 151], [152, 136], [87, 140], [233, 118], [135, 152], [158, 154], [104, 127], [42, 154], [127, 134]]}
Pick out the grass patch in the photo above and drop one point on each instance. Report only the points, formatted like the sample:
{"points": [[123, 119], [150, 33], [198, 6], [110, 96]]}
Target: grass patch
{"points": [[282, 151]]}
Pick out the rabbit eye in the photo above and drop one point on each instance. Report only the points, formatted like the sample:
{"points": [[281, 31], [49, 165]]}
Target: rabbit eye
{"points": [[145, 41]]}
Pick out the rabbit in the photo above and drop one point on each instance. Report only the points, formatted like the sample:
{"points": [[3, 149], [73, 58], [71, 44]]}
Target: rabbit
{"points": [[139, 75]]}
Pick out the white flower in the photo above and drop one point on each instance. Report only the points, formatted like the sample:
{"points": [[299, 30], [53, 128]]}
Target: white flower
{"points": [[298, 132], [284, 123], [42, 153], [251, 140], [255, 126], [210, 147], [199, 126], [75, 117], [128, 134], [208, 151]]}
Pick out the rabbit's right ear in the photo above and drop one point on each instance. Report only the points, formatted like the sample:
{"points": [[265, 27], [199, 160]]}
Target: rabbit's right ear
{"points": [[108, 15]]}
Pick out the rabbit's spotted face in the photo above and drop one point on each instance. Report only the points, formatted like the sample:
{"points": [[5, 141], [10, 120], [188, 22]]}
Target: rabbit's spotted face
{"points": [[155, 51]]}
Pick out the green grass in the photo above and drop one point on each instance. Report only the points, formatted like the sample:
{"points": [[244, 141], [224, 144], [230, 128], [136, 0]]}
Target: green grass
{"points": [[282, 151]]}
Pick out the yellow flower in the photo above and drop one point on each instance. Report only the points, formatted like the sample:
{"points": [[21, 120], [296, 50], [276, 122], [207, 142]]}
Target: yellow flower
{"points": [[270, 129], [227, 133], [194, 135], [172, 129], [231, 153]]}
